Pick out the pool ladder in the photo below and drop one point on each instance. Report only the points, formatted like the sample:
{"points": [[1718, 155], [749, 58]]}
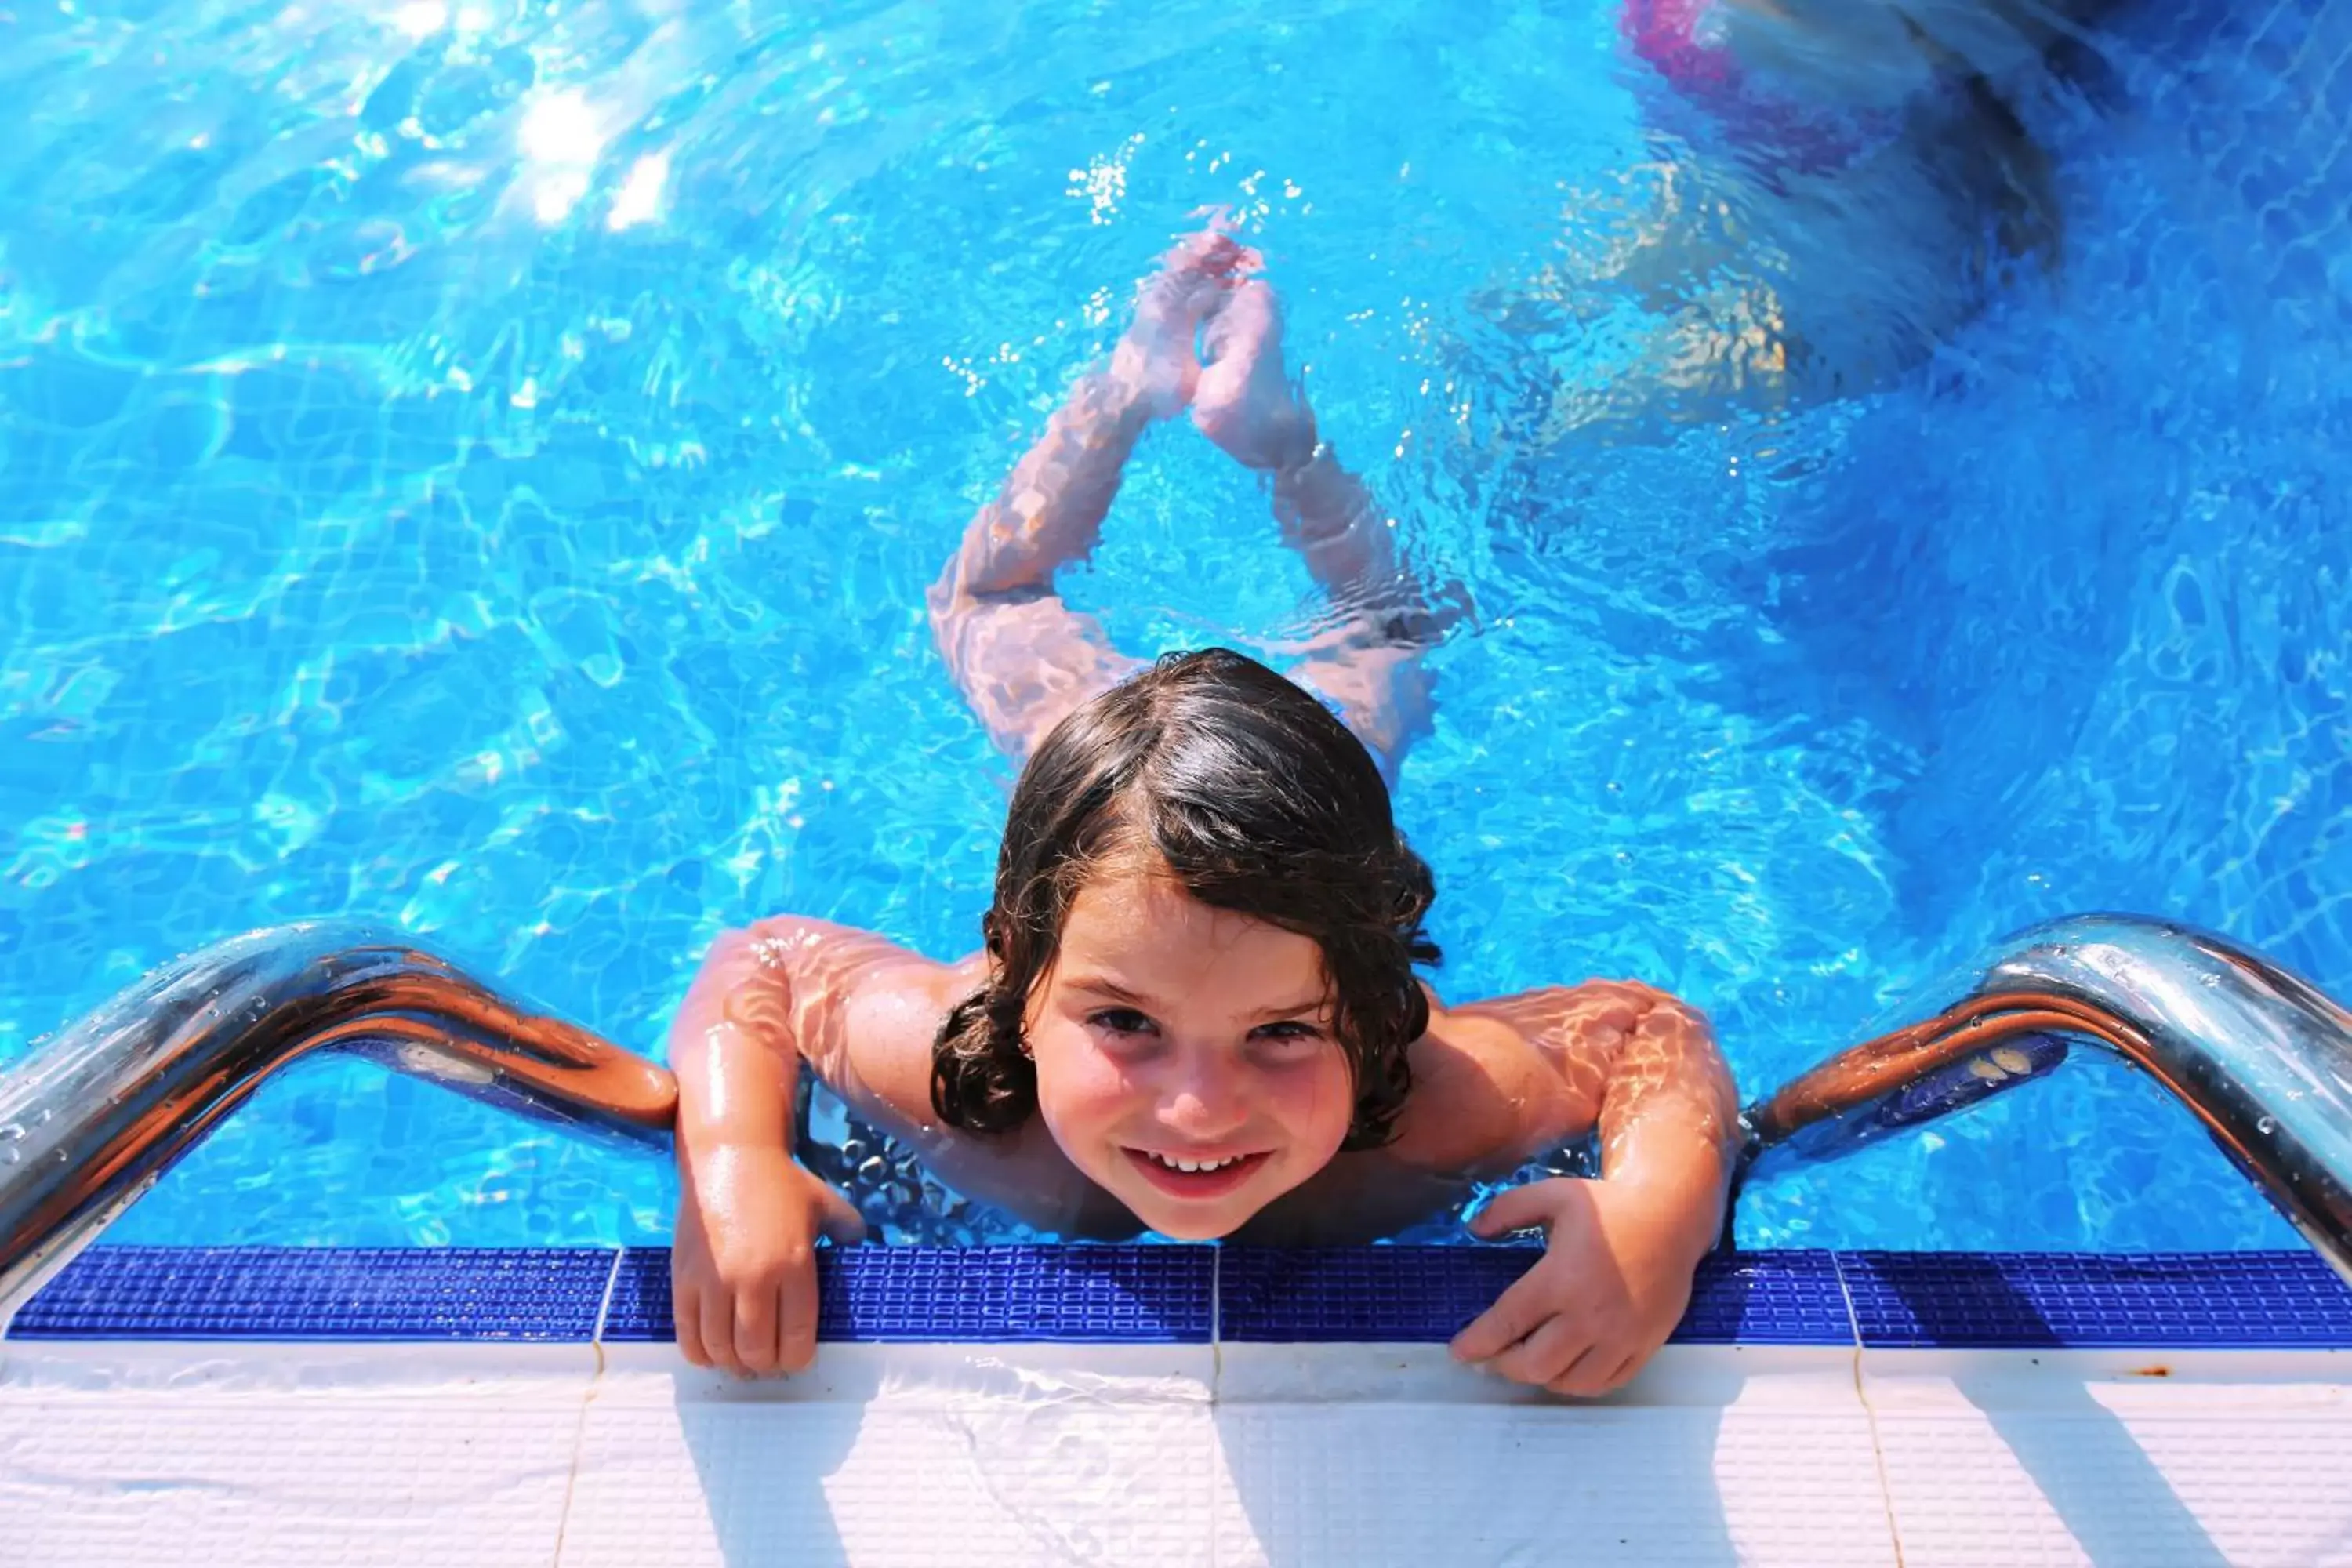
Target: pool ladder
{"points": [[91, 1120]]}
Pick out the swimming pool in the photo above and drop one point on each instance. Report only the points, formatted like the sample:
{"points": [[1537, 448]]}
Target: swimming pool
{"points": [[476, 469]]}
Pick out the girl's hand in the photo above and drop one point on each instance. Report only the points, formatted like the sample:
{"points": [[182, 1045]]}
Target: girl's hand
{"points": [[1612, 1284], [1245, 400], [1157, 363], [743, 1267]]}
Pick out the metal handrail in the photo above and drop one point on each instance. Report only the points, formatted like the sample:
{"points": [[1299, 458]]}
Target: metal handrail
{"points": [[91, 1120], [2261, 1057]]}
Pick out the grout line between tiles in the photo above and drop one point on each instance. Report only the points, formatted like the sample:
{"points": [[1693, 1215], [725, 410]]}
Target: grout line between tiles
{"points": [[604, 1306], [1215, 1513], [1217, 1296], [1869, 1413], [587, 1398], [1846, 1294], [579, 1451]]}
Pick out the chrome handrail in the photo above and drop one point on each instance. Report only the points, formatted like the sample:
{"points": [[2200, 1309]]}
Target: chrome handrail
{"points": [[93, 1118], [2261, 1057]]}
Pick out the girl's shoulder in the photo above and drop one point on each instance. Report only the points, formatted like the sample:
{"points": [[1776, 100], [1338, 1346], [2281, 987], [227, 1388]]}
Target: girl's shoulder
{"points": [[1498, 1081], [866, 1010], [866, 1015]]}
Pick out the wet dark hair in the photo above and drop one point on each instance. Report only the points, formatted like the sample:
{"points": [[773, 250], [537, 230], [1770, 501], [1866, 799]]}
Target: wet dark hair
{"points": [[1260, 802]]}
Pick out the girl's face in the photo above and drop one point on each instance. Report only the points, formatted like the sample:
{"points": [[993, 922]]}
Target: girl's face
{"points": [[1185, 1058]]}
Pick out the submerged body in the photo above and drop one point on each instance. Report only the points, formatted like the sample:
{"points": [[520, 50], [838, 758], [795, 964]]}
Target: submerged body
{"points": [[1196, 1010], [1839, 188]]}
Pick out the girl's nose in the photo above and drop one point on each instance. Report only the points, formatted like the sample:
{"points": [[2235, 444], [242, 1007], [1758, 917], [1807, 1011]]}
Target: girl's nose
{"points": [[1206, 1103]]}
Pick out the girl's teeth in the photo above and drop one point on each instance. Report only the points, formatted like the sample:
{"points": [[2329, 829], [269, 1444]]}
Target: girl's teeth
{"points": [[1195, 1165]]}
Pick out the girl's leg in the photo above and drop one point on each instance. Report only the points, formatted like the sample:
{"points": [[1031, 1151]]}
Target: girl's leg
{"points": [[1370, 664], [1022, 657]]}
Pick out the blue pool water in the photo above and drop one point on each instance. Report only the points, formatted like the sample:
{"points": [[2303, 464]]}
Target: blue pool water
{"points": [[474, 468]]}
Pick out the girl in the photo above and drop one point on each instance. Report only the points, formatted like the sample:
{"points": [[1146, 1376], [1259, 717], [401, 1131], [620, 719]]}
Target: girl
{"points": [[1195, 1009]]}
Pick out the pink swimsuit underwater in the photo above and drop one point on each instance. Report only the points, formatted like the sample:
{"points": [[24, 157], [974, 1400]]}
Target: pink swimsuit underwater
{"points": [[1669, 37]]}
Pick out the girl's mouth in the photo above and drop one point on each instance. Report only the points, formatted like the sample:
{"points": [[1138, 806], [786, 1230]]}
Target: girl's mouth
{"points": [[1206, 1178]]}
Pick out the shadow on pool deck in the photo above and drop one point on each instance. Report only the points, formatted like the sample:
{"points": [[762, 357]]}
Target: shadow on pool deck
{"points": [[2104, 1486], [768, 1501], [1335, 1485], [2104, 1489]]}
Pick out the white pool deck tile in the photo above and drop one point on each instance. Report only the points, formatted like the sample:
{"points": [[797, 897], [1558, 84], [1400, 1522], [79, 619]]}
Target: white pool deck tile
{"points": [[2166, 1460], [960, 1454], [171, 1454], [1377, 1455], [259, 1455]]}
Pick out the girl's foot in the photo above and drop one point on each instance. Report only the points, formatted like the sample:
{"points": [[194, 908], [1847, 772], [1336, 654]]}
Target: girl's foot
{"points": [[1158, 361], [1243, 400]]}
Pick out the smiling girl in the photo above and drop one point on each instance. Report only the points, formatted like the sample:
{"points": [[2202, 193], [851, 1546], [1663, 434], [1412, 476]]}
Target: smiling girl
{"points": [[1196, 1010]]}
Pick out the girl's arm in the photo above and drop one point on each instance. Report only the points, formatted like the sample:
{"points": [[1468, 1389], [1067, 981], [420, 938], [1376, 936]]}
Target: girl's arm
{"points": [[1669, 1113], [1644, 1068], [743, 1266]]}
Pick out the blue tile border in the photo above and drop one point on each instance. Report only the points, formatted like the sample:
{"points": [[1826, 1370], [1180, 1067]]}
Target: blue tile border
{"points": [[1767, 1298], [1098, 1295], [1194, 1295], [321, 1293], [1355, 1294], [2212, 1300], [1424, 1295]]}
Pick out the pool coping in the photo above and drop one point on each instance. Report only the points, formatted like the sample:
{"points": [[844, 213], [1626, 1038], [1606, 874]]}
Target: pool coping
{"points": [[1194, 1295]]}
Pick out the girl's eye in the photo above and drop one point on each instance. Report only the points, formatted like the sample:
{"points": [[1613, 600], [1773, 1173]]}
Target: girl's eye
{"points": [[1120, 1021], [1290, 1031]]}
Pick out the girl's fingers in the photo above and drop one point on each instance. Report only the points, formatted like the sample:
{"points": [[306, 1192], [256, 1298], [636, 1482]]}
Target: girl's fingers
{"points": [[1583, 1377], [717, 1319], [1516, 1208], [755, 1329], [685, 1311], [1543, 1355], [839, 1218], [1512, 1317], [797, 1319]]}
